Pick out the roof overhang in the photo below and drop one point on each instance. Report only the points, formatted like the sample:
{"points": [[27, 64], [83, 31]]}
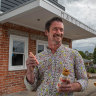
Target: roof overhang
{"points": [[35, 14]]}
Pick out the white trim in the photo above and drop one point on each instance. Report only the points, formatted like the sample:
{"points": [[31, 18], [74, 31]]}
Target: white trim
{"points": [[25, 40], [42, 43]]}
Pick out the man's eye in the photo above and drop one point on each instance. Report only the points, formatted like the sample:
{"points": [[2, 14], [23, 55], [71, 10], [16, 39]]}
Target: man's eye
{"points": [[60, 29], [55, 29]]}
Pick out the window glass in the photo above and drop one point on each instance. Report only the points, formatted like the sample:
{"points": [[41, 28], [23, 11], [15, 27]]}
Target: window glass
{"points": [[40, 48], [17, 55], [18, 46], [17, 59]]}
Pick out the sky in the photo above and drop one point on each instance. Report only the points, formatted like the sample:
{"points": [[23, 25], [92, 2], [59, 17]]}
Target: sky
{"points": [[84, 11]]}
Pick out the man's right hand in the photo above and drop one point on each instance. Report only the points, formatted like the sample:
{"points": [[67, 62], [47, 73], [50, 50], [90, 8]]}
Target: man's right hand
{"points": [[31, 62]]}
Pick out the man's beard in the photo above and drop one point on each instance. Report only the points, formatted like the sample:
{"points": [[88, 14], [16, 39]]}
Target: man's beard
{"points": [[56, 41]]}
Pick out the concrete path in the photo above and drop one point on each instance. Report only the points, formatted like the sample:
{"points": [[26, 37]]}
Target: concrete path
{"points": [[91, 91], [24, 93]]}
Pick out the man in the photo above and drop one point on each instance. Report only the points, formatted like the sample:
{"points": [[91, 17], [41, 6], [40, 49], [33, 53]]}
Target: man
{"points": [[51, 63]]}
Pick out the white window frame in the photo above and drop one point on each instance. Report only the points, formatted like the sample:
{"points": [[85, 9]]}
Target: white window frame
{"points": [[41, 42], [18, 38]]}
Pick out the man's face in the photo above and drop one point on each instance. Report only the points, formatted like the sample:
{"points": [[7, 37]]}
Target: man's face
{"points": [[56, 32]]}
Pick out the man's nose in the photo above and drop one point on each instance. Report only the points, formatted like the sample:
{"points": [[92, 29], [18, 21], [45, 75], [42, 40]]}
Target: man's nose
{"points": [[59, 31]]}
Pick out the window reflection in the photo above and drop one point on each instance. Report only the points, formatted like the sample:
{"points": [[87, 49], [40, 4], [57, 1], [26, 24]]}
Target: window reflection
{"points": [[18, 46], [40, 48]]}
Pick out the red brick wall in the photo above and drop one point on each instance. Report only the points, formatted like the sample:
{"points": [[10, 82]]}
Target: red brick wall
{"points": [[4, 47], [13, 81], [32, 45]]}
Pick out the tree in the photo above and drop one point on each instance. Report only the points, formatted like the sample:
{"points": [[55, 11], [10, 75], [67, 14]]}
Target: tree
{"points": [[86, 53], [90, 56], [94, 56], [82, 54]]}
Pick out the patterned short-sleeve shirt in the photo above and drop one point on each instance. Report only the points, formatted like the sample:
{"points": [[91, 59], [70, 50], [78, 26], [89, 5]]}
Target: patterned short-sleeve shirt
{"points": [[50, 68]]}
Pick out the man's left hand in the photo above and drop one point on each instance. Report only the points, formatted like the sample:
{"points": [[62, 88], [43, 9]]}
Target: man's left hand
{"points": [[69, 87]]}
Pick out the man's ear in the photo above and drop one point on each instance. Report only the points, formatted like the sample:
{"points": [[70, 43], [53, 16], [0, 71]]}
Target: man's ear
{"points": [[46, 33]]}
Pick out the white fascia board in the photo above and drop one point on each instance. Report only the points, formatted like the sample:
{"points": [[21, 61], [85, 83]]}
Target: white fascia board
{"points": [[19, 10], [50, 7], [59, 12]]}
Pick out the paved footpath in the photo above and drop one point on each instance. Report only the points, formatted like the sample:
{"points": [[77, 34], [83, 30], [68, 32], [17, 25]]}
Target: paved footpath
{"points": [[91, 91]]}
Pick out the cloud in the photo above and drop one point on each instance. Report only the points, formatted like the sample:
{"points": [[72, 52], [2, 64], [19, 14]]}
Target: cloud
{"points": [[85, 44], [90, 49], [91, 41], [84, 11]]}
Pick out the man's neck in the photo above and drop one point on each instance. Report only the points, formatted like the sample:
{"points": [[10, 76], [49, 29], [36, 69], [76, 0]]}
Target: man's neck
{"points": [[54, 47]]}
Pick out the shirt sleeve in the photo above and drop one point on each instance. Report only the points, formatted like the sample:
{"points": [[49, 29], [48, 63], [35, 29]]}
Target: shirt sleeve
{"points": [[33, 86], [80, 71], [39, 75]]}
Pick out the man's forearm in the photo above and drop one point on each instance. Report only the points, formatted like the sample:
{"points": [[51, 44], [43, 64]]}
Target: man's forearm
{"points": [[30, 77]]}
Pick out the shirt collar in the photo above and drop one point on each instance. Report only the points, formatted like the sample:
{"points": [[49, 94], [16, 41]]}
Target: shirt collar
{"points": [[59, 49]]}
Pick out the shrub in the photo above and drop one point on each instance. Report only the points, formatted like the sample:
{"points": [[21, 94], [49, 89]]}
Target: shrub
{"points": [[91, 70]]}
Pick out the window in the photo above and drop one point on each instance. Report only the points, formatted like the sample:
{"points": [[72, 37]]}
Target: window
{"points": [[18, 52], [41, 46]]}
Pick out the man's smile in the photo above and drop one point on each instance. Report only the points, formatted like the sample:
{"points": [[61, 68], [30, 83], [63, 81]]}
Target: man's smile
{"points": [[57, 35]]}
